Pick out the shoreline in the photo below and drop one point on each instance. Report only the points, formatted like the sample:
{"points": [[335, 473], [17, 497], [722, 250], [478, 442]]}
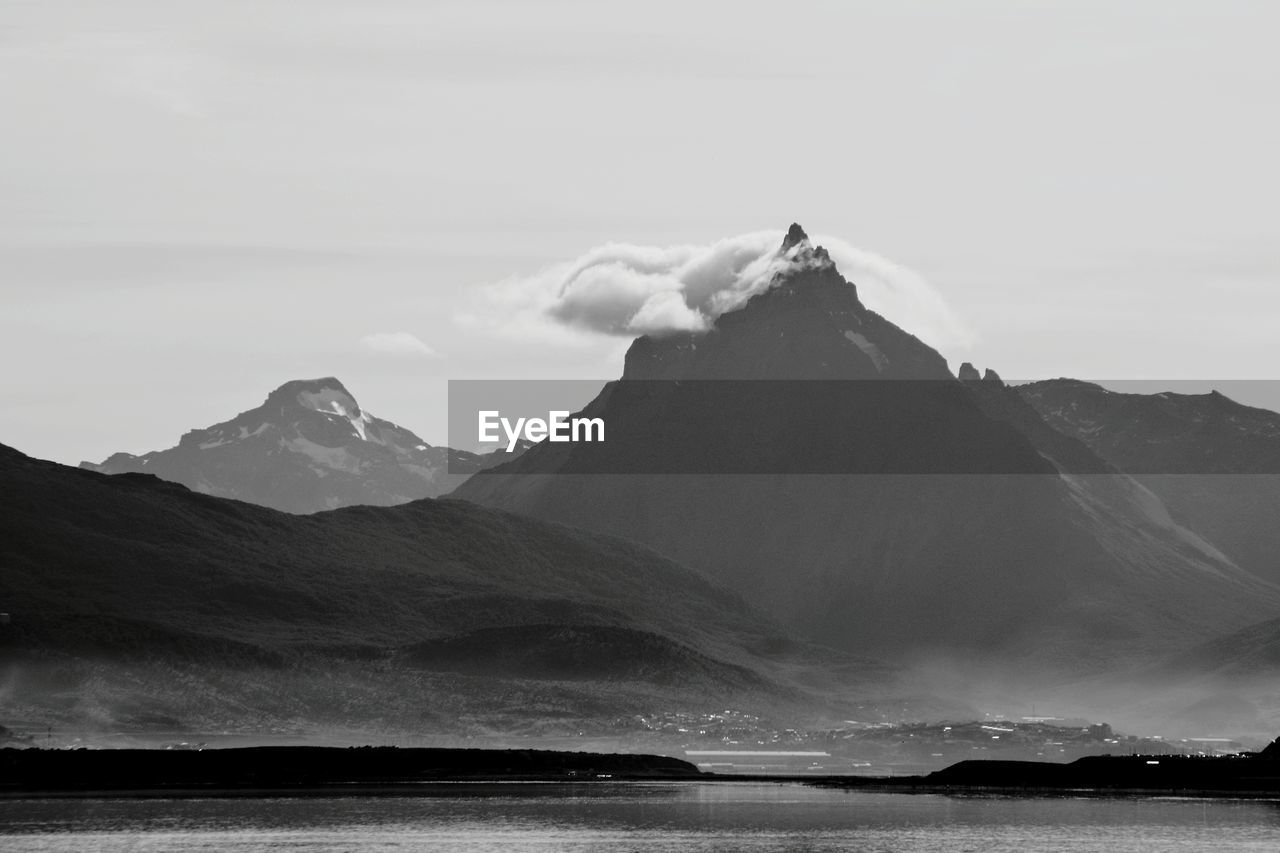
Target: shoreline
{"points": [[500, 786], [287, 771]]}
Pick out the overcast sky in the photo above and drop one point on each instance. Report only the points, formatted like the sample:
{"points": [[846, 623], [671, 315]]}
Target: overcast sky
{"points": [[202, 200]]}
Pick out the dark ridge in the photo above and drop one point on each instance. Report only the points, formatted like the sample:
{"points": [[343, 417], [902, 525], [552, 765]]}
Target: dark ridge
{"points": [[1245, 773], [309, 767], [562, 652], [128, 588]]}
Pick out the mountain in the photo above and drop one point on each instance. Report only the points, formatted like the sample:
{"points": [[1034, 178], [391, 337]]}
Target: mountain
{"points": [[1163, 433], [134, 603], [308, 447], [1228, 686], [828, 466], [808, 325], [1002, 403], [1214, 462]]}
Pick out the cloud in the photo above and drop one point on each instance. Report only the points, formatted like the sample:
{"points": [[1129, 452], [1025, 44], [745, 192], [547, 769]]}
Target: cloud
{"points": [[396, 343], [628, 290]]}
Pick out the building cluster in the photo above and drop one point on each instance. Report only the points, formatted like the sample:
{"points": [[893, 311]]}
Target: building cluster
{"points": [[733, 741]]}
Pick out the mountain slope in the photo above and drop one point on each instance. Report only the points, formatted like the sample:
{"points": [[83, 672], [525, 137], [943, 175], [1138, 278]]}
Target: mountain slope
{"points": [[1226, 687], [131, 571], [308, 447], [1214, 462], [1252, 652], [889, 509]]}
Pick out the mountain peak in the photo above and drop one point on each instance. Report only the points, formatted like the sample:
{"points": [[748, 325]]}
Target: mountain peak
{"points": [[969, 373], [317, 394], [800, 252], [310, 446], [795, 236], [295, 386]]}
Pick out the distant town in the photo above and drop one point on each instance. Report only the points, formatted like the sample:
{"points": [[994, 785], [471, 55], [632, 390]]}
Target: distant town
{"points": [[735, 742]]}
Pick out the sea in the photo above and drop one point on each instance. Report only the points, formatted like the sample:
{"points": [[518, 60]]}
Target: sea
{"points": [[691, 817]]}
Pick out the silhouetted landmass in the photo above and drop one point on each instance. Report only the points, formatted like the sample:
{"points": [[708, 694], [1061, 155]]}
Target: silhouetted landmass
{"points": [[272, 770], [306, 768], [1244, 774], [1241, 774]]}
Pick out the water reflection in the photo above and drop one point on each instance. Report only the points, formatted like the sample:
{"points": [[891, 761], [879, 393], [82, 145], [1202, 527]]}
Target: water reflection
{"points": [[628, 816]]}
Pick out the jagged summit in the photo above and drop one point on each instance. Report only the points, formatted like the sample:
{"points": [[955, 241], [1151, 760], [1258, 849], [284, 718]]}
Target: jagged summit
{"points": [[795, 236], [799, 250], [969, 373], [807, 323]]}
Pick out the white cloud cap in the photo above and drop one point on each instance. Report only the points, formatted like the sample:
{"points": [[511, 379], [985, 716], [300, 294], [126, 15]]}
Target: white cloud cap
{"points": [[628, 290]]}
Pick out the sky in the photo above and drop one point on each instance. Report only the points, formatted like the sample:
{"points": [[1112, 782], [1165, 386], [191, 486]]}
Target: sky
{"points": [[200, 201]]}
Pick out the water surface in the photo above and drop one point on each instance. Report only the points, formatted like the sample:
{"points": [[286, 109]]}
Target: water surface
{"points": [[694, 817]]}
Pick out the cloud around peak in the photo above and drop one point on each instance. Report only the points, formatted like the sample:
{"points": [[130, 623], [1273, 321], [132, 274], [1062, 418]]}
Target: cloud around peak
{"points": [[627, 290]]}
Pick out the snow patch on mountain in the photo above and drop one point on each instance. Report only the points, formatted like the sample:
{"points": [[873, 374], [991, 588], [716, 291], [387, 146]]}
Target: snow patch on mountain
{"points": [[873, 352], [334, 401], [329, 400]]}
